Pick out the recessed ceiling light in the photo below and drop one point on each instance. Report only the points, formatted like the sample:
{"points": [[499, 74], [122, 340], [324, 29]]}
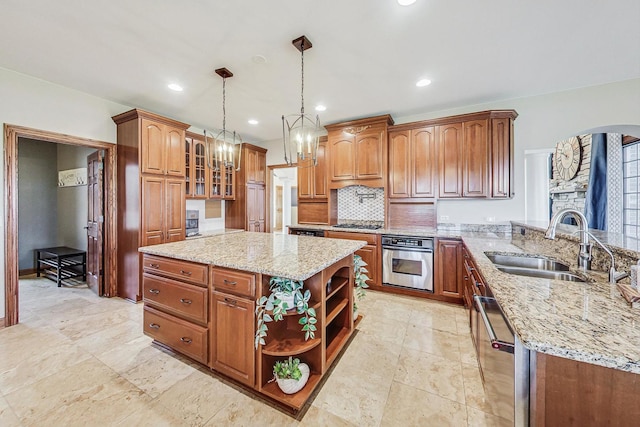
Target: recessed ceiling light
{"points": [[423, 82], [259, 59], [253, 121], [406, 2], [175, 86], [320, 107]]}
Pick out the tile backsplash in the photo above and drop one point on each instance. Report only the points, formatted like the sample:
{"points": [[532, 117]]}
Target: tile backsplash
{"points": [[360, 203]]}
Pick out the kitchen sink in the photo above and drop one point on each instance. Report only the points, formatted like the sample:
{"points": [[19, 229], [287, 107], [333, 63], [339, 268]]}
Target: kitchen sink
{"points": [[533, 266], [533, 262], [543, 274]]}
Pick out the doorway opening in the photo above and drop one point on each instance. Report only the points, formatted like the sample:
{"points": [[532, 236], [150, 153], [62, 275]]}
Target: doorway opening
{"points": [[283, 198], [14, 137]]}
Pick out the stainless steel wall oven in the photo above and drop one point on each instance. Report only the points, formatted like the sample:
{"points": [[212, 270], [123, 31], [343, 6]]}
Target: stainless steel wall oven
{"points": [[407, 262]]}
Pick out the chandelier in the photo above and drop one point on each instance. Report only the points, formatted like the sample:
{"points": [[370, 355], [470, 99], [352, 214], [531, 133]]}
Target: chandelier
{"points": [[300, 132], [223, 150]]}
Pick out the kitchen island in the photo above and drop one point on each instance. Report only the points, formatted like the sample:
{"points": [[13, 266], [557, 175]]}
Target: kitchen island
{"points": [[200, 298]]}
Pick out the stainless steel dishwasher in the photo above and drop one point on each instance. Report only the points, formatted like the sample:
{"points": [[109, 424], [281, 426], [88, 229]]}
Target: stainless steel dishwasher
{"points": [[503, 360]]}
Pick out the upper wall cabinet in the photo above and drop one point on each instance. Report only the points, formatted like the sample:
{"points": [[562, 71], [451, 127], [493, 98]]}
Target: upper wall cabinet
{"points": [[467, 156], [196, 167], [358, 152], [161, 148], [312, 179]]}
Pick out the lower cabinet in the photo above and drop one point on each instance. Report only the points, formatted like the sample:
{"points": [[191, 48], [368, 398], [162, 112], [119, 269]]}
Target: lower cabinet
{"points": [[232, 324], [232, 333], [371, 253], [448, 260], [176, 305]]}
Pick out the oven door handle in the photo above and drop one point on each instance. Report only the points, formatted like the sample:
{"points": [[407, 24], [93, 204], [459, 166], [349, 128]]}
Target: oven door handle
{"points": [[406, 249], [495, 342]]}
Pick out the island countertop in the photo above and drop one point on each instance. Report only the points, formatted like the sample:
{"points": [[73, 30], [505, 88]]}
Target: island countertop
{"points": [[294, 257]]}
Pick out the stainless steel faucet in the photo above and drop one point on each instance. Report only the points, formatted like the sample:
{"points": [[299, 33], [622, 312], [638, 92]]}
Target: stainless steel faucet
{"points": [[584, 256]]}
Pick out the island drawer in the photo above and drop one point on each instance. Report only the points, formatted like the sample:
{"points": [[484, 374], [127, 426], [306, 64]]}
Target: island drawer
{"points": [[178, 269], [236, 282], [371, 239], [180, 298], [180, 335]]}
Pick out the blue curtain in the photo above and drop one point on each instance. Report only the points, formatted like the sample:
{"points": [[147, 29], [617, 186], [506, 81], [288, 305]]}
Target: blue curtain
{"points": [[596, 202]]}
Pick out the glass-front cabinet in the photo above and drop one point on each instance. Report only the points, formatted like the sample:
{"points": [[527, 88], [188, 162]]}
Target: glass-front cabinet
{"points": [[203, 181]]}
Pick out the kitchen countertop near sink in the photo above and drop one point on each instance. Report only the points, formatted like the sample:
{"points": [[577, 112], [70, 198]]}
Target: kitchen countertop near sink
{"points": [[294, 257], [453, 233], [588, 322]]}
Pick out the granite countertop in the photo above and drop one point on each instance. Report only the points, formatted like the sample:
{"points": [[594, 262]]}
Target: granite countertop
{"points": [[588, 322], [294, 257]]}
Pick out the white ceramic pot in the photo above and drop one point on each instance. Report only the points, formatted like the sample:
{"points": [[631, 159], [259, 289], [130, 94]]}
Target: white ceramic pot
{"points": [[290, 386], [286, 298]]}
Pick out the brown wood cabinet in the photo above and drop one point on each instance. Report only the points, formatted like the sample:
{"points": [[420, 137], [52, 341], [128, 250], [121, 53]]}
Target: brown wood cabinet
{"points": [[412, 163], [248, 210], [448, 269], [475, 159], [450, 160], [358, 152], [176, 305], [196, 170], [502, 157], [312, 179], [371, 253], [150, 190]]}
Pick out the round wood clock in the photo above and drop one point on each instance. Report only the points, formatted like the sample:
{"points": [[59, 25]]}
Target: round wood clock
{"points": [[568, 157]]}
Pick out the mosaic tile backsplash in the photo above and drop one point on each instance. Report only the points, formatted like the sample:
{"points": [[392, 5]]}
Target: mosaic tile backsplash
{"points": [[360, 203]]}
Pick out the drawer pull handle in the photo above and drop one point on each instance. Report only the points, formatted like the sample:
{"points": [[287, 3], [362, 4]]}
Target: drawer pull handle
{"points": [[154, 326], [230, 282], [185, 301], [186, 273], [231, 301], [186, 340], [154, 291], [154, 266]]}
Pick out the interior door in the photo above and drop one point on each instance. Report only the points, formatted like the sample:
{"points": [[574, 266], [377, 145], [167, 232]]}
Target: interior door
{"points": [[278, 203], [95, 222]]}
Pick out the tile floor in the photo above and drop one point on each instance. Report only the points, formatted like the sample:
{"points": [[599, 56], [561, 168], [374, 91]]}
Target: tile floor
{"points": [[412, 363]]}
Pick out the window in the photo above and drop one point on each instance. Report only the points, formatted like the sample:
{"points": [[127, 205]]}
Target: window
{"points": [[631, 189]]}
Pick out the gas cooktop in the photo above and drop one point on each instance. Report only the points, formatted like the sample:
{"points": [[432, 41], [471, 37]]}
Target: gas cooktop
{"points": [[359, 226]]}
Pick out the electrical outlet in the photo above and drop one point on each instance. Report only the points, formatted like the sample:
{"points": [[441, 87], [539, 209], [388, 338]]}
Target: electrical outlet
{"points": [[444, 217], [491, 219]]}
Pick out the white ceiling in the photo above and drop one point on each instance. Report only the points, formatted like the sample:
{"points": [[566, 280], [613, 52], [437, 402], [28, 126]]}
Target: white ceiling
{"points": [[366, 55]]}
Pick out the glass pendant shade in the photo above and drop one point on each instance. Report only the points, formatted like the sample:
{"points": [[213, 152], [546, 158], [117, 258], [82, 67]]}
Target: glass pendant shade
{"points": [[301, 132], [223, 148]]}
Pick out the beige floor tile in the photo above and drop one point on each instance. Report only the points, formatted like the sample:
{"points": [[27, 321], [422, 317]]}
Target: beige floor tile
{"points": [[156, 375], [126, 356], [23, 341], [431, 373], [110, 336], [432, 341], [76, 328], [408, 406], [392, 309], [38, 365], [477, 418], [383, 328], [8, 418], [316, 417], [247, 411], [197, 398], [467, 349], [151, 415], [433, 318], [370, 358]]}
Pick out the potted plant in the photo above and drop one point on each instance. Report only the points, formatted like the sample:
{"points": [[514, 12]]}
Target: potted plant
{"points": [[285, 294], [291, 375], [360, 279]]}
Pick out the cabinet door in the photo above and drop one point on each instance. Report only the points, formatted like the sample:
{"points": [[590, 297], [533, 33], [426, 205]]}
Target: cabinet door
{"points": [[174, 152], [152, 227], [188, 172], [423, 162], [320, 173], [232, 334], [174, 210], [449, 263], [305, 179], [261, 167], [342, 158], [152, 147], [399, 164], [501, 158], [450, 160], [199, 170], [369, 146], [369, 254], [475, 152], [229, 181], [252, 166], [255, 208]]}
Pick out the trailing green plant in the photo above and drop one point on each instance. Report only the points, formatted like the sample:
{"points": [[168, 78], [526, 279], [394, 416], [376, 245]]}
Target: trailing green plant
{"points": [[272, 308], [287, 369], [360, 279]]}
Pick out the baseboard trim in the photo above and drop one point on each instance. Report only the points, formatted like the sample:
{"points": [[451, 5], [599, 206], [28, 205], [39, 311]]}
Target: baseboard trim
{"points": [[27, 272], [2, 324]]}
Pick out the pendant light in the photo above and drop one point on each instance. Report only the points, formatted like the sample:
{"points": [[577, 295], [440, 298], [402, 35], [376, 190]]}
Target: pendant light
{"points": [[300, 132], [223, 150]]}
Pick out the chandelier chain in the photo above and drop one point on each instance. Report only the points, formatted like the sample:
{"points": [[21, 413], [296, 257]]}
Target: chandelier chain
{"points": [[224, 103], [302, 73]]}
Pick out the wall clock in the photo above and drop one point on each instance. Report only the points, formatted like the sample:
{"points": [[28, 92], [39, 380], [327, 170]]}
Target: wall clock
{"points": [[568, 157]]}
